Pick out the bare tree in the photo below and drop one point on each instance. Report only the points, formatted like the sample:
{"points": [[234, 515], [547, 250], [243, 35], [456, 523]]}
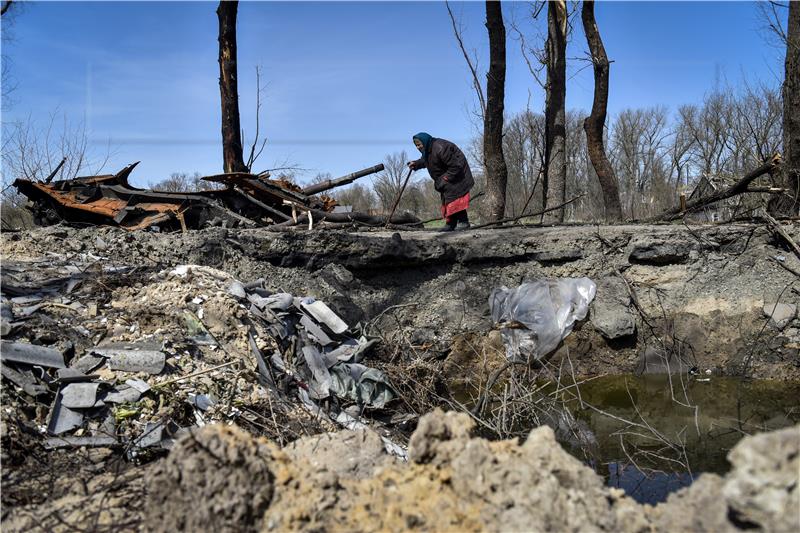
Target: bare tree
{"points": [[9, 10], [360, 197], [491, 106], [472, 63], [185, 182], [256, 149], [555, 175], [496, 170], [639, 140], [523, 144], [228, 88], [596, 120], [387, 184], [33, 152], [791, 115]]}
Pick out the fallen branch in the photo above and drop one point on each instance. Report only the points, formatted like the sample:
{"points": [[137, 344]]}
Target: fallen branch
{"points": [[194, 374], [785, 266], [776, 226], [364, 218], [514, 219], [739, 187]]}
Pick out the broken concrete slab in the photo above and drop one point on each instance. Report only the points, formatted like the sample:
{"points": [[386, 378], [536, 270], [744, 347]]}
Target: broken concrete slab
{"points": [[237, 289], [654, 253], [611, 313], [780, 314], [31, 354]]}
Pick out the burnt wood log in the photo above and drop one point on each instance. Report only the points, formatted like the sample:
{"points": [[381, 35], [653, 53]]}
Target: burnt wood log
{"points": [[228, 88]]}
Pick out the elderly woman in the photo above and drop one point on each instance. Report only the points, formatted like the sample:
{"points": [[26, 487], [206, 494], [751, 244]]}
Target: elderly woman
{"points": [[451, 176]]}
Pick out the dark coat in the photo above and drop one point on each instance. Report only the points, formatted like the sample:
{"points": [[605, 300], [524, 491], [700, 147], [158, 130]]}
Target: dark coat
{"points": [[449, 169]]}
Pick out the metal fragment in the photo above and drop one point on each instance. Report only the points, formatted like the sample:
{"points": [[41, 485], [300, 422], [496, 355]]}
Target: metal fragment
{"points": [[72, 375], [26, 300], [319, 387], [88, 363], [202, 401], [79, 442], [25, 381], [264, 376], [313, 329], [132, 360], [152, 435], [323, 314], [122, 394], [79, 395], [139, 385], [62, 418], [31, 354]]}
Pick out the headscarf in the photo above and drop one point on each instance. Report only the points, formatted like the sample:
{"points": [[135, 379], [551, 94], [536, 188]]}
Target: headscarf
{"points": [[426, 141]]}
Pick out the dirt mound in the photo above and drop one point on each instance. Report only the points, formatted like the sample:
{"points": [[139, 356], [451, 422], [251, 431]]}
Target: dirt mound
{"points": [[453, 482], [217, 478]]}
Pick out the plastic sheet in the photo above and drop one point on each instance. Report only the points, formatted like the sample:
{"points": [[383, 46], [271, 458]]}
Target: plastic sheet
{"points": [[536, 316]]}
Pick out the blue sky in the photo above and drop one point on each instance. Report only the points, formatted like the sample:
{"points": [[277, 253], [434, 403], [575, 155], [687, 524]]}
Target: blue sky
{"points": [[346, 82]]}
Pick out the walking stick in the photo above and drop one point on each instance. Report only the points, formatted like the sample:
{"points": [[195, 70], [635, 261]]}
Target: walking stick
{"points": [[397, 200]]}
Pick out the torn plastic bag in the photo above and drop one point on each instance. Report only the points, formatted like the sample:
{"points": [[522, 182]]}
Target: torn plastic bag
{"points": [[536, 316], [365, 385]]}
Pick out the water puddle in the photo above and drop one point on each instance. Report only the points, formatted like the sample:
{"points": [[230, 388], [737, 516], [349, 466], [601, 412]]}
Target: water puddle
{"points": [[651, 435]]}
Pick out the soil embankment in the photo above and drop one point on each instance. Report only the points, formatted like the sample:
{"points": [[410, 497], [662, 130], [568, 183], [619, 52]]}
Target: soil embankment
{"points": [[705, 301], [705, 291]]}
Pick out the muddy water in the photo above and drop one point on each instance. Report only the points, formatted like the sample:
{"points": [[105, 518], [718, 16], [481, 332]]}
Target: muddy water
{"points": [[674, 431]]}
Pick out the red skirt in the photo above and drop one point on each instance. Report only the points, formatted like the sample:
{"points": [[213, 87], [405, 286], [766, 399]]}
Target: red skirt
{"points": [[459, 204]]}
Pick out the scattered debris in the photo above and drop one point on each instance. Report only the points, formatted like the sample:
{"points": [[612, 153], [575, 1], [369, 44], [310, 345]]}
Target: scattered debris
{"points": [[247, 200], [138, 389]]}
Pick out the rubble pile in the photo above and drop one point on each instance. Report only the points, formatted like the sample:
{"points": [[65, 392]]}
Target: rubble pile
{"points": [[127, 358]]}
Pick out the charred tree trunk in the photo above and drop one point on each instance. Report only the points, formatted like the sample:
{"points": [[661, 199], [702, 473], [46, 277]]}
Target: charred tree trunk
{"points": [[593, 125], [228, 88], [791, 118], [555, 130], [494, 159]]}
